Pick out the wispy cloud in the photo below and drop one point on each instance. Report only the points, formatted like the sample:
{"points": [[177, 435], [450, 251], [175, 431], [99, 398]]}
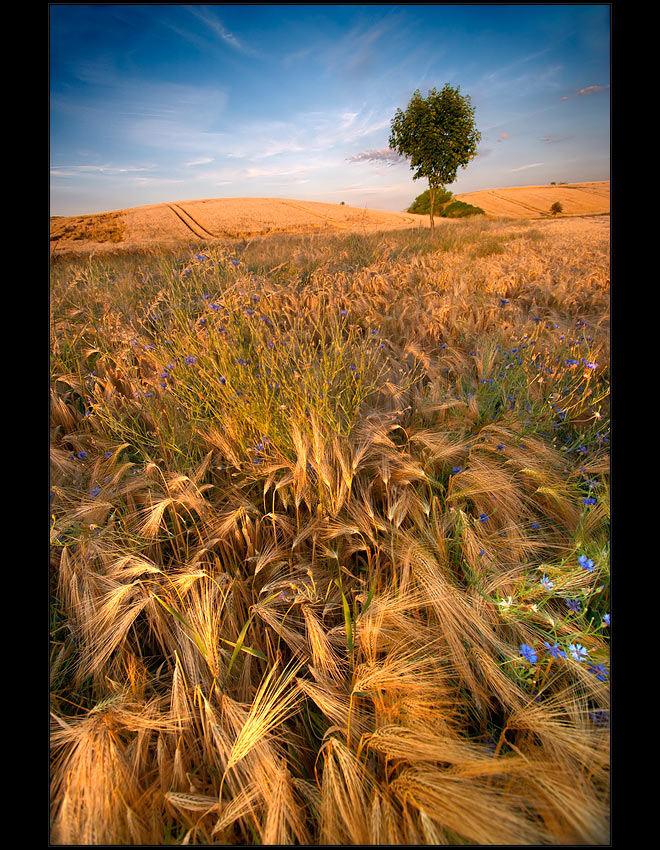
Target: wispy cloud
{"points": [[587, 91], [203, 161], [525, 167], [215, 25], [385, 157]]}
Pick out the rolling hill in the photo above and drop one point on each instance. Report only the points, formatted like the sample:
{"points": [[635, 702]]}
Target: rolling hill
{"points": [[222, 218]]}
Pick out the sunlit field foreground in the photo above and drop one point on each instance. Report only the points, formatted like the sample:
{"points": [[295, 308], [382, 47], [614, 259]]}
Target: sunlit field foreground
{"points": [[330, 546]]}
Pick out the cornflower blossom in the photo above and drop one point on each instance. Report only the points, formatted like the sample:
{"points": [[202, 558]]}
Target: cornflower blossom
{"points": [[483, 517], [554, 650], [574, 604], [546, 583], [190, 360], [586, 563], [599, 671], [528, 652], [578, 651], [606, 619], [94, 492], [589, 500]]}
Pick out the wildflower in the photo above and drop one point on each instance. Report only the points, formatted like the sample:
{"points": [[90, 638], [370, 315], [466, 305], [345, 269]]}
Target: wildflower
{"points": [[483, 517], [344, 312], [601, 716], [222, 380], [107, 454], [500, 447], [94, 492], [190, 360], [588, 500], [81, 455], [587, 563], [578, 651], [535, 526], [235, 262], [249, 312], [505, 604], [546, 583], [504, 301], [599, 671], [606, 619], [200, 257], [574, 605], [554, 650], [528, 652], [456, 469]]}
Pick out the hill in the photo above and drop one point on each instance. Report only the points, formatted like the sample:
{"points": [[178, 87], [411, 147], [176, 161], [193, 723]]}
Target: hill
{"points": [[216, 218], [221, 218], [535, 201]]}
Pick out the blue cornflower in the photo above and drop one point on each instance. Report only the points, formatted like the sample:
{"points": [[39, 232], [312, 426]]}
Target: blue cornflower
{"points": [[190, 360], [601, 716], [578, 651], [504, 301], [606, 619], [589, 500], [456, 469], [81, 455], [599, 671], [483, 517], [574, 604], [200, 257], [344, 312], [535, 526], [235, 262], [222, 380], [500, 447], [546, 583], [554, 650], [107, 454], [587, 563], [528, 652], [255, 297], [94, 491], [216, 307]]}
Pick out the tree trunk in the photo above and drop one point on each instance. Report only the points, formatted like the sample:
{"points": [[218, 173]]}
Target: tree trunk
{"points": [[432, 199]]}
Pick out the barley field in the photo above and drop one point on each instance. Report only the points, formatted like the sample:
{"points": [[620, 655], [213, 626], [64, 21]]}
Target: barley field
{"points": [[330, 539]]}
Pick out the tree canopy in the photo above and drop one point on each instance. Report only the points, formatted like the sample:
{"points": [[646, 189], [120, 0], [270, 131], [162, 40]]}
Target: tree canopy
{"points": [[437, 134]]}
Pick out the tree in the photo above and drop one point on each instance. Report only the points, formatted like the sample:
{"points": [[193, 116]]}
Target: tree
{"points": [[556, 208], [422, 203], [438, 134]]}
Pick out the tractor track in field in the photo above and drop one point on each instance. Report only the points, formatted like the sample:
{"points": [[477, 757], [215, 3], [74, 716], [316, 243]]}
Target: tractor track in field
{"points": [[192, 225]]}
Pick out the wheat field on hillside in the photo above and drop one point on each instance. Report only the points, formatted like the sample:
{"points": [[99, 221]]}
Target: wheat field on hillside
{"points": [[330, 538]]}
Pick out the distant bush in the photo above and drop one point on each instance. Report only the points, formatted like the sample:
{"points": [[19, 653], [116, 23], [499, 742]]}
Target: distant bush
{"points": [[459, 209], [556, 208], [422, 203]]}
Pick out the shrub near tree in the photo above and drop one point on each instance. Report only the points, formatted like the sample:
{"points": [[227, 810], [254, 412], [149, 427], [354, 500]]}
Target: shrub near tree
{"points": [[422, 203], [438, 134], [556, 208]]}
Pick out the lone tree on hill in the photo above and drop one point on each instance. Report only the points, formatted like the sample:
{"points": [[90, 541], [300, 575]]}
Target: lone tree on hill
{"points": [[438, 134], [556, 208]]}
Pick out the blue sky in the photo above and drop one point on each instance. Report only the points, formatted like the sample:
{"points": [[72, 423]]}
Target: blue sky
{"points": [[155, 103]]}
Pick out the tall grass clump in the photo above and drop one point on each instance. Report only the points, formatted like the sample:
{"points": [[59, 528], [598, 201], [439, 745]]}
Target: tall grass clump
{"points": [[330, 540]]}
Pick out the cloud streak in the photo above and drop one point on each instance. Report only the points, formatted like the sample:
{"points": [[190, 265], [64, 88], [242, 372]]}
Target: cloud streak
{"points": [[384, 157]]}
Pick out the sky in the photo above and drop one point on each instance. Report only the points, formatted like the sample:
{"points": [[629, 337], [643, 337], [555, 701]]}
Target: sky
{"points": [[159, 103]]}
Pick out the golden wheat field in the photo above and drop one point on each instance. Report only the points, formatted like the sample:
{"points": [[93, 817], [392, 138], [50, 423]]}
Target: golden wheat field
{"points": [[330, 527], [223, 218]]}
